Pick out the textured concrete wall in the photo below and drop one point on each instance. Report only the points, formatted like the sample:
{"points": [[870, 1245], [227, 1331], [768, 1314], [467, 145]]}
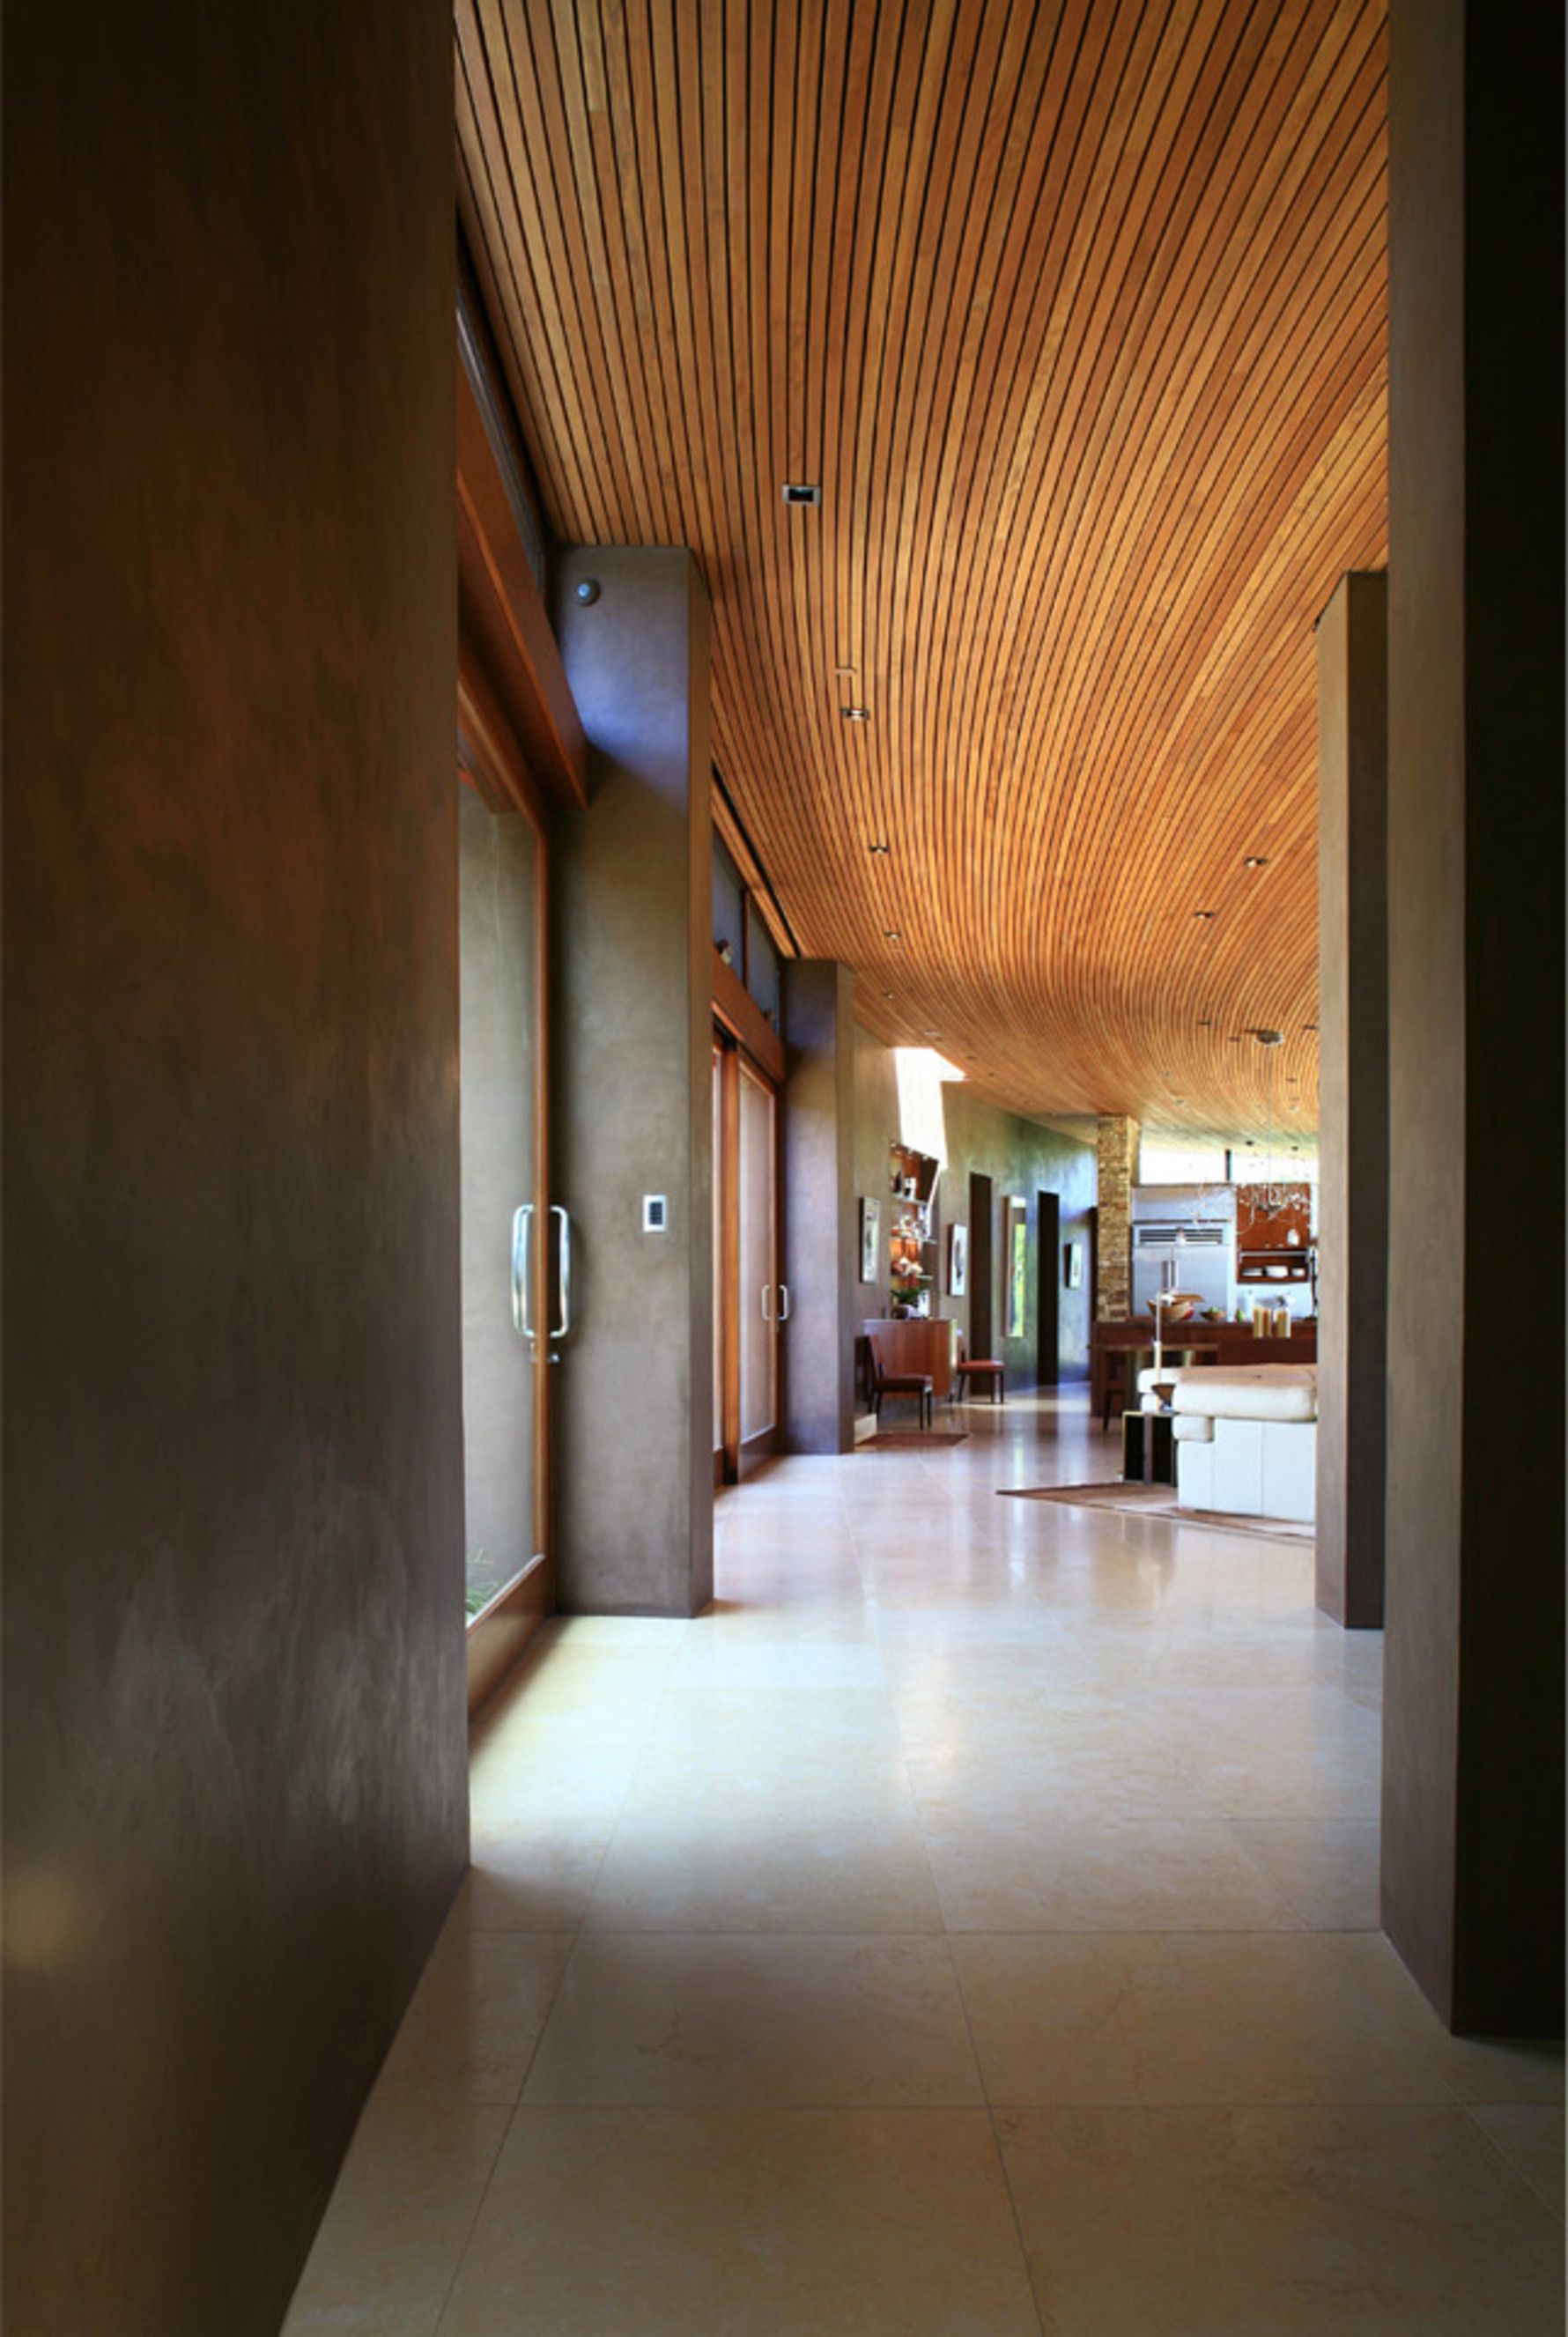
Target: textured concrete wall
{"points": [[1117, 1153], [1473, 1819], [1353, 1097], [821, 1228], [634, 1082], [234, 1698]]}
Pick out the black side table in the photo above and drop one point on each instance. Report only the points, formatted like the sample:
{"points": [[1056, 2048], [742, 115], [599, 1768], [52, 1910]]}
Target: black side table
{"points": [[1149, 1448]]}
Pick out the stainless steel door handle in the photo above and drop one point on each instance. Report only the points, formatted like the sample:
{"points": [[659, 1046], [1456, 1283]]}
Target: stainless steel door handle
{"points": [[522, 1248], [559, 1330], [767, 1286], [785, 1307]]}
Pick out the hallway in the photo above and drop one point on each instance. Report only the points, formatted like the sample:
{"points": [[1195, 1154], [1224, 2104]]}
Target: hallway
{"points": [[967, 1927]]}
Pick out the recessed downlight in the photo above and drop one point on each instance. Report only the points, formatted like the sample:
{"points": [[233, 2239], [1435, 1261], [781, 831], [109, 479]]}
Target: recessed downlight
{"points": [[1256, 860], [1204, 916], [891, 934], [855, 713], [884, 848], [797, 492]]}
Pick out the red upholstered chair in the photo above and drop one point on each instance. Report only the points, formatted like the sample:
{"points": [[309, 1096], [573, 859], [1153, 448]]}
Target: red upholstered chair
{"points": [[993, 1375], [887, 1382]]}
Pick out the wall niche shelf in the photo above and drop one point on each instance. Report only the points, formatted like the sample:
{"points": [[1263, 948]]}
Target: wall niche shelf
{"points": [[912, 1242]]}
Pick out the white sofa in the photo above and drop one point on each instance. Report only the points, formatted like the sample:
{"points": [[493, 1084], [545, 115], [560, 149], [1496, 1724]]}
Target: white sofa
{"points": [[1246, 1436]]}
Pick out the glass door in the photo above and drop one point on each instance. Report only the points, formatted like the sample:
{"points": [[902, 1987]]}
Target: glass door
{"points": [[761, 1298], [750, 1304], [502, 871]]}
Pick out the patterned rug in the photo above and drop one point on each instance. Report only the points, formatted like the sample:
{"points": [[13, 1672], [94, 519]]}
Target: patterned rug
{"points": [[1160, 1501]]}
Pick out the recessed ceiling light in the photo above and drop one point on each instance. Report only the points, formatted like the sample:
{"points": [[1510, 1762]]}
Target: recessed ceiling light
{"points": [[1309, 1026], [879, 848], [797, 492], [855, 713], [887, 993], [933, 1034], [1255, 860], [891, 934], [1205, 1022], [1204, 916]]}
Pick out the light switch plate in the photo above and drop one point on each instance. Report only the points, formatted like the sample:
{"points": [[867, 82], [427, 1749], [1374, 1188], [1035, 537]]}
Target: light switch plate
{"points": [[655, 1213]]}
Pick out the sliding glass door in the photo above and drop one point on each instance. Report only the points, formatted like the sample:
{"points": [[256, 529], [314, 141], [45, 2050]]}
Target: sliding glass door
{"points": [[750, 1304], [502, 871]]}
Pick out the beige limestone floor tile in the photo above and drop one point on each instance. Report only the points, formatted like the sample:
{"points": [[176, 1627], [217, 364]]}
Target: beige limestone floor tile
{"points": [[1193, 2017], [538, 1881], [400, 2216], [1096, 1870], [1530, 2137], [688, 2020], [1328, 1867], [477, 2015], [795, 1668], [1482, 2069], [744, 2224], [672, 1868], [1380, 2222]]}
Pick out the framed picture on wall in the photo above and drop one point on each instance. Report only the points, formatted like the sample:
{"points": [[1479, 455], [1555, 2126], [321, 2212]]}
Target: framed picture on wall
{"points": [[1073, 1265], [1017, 1257], [871, 1237], [958, 1260]]}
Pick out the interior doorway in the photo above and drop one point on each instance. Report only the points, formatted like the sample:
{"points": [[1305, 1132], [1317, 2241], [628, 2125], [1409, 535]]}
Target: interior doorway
{"points": [[1049, 1311], [982, 1305]]}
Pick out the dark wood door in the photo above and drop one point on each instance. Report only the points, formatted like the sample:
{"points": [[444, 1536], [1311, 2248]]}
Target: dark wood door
{"points": [[982, 1308], [1050, 1313]]}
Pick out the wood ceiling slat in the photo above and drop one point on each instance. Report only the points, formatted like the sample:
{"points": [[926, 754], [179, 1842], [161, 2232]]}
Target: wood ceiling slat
{"points": [[1076, 312]]}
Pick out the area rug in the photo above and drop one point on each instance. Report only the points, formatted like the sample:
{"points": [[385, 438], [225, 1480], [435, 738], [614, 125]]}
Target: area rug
{"points": [[1160, 1501], [905, 1437]]}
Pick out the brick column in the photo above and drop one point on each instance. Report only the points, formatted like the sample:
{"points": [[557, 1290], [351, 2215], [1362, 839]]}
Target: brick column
{"points": [[1118, 1158]]}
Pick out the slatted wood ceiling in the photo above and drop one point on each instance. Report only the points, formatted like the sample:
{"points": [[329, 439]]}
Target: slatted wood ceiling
{"points": [[1076, 314]]}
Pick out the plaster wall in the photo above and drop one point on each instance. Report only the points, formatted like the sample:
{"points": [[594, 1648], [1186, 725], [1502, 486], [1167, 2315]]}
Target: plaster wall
{"points": [[1473, 1817], [1352, 1191], [234, 1691], [633, 1015]]}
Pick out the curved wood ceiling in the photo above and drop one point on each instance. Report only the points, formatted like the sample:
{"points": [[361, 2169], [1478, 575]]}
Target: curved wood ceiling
{"points": [[1076, 315]]}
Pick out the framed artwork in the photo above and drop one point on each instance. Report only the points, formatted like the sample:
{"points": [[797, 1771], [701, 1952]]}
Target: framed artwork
{"points": [[1073, 1267], [1017, 1256], [871, 1237], [958, 1260]]}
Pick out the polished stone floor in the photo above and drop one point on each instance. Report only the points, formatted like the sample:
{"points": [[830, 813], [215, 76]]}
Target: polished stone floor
{"points": [[966, 1928]]}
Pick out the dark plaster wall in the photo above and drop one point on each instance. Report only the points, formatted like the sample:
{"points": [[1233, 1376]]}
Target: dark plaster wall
{"points": [[1353, 1097], [1473, 1819], [1023, 1158], [821, 1230], [632, 1018], [234, 1700]]}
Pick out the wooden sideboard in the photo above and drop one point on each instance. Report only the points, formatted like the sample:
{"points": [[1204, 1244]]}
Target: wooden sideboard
{"points": [[919, 1343]]}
